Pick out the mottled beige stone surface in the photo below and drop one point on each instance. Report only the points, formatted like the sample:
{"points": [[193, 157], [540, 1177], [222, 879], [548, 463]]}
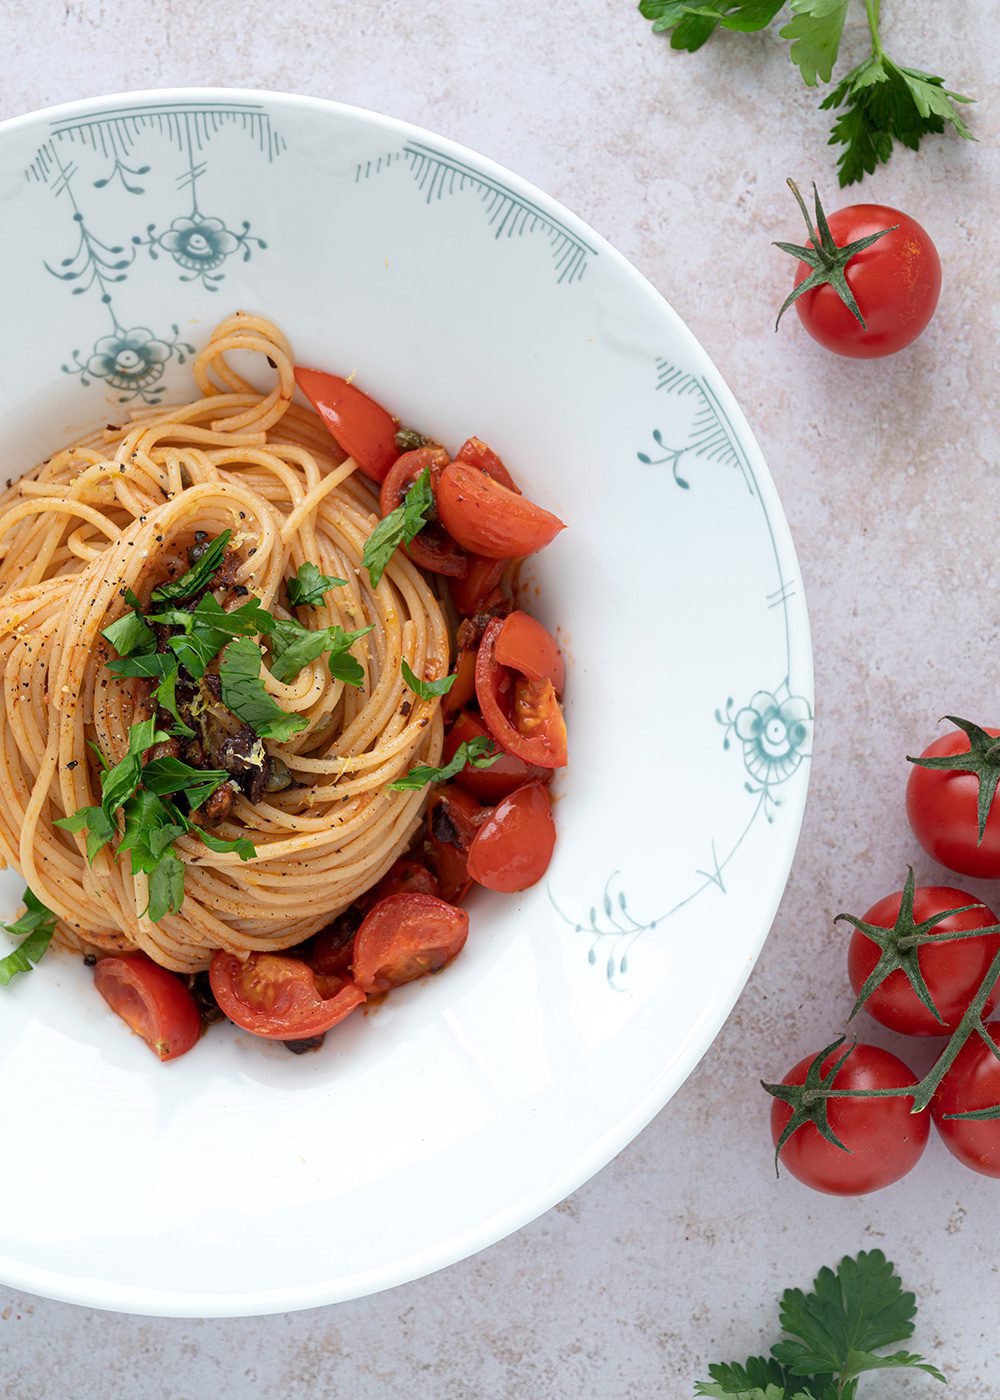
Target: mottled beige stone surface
{"points": [[674, 1255]]}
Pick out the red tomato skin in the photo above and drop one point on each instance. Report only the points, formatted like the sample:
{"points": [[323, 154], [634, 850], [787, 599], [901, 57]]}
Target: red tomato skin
{"points": [[290, 1005], [405, 937], [463, 688], [433, 549], [953, 971], [526, 646], [972, 1082], [487, 518], [501, 778], [480, 579], [896, 283], [358, 423], [496, 688], [477, 454], [512, 849], [153, 1002], [407, 876], [941, 805], [449, 858], [885, 1138]]}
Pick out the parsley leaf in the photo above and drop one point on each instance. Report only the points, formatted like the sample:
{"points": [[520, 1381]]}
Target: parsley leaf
{"points": [[245, 849], [120, 782], [199, 576], [853, 1311], [243, 692], [883, 103], [294, 646], [400, 526], [427, 690], [481, 752], [100, 828], [208, 627], [814, 31], [149, 829], [166, 886], [35, 928], [309, 586], [165, 776], [131, 635], [694, 24]]}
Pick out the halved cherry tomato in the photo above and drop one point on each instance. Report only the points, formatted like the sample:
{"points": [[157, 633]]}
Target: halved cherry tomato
{"points": [[280, 998], [464, 687], [453, 817], [405, 471], [504, 776], [333, 947], [526, 646], [153, 1002], [433, 548], [407, 876], [407, 936], [481, 577], [363, 428], [477, 454], [489, 519], [523, 715], [512, 849]]}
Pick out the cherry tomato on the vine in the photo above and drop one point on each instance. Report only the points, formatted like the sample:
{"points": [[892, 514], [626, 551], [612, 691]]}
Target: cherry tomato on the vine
{"points": [[952, 970], [885, 1140], [942, 805], [972, 1083]]}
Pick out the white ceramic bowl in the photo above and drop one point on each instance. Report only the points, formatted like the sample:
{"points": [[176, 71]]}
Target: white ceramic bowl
{"points": [[247, 1180]]}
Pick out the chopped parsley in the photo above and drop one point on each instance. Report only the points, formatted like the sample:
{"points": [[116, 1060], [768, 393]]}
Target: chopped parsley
{"points": [[427, 690], [400, 526], [294, 646], [199, 576], [35, 928], [309, 587], [481, 752], [244, 693]]}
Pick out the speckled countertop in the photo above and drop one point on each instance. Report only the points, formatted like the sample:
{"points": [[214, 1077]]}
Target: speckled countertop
{"points": [[674, 1255]]}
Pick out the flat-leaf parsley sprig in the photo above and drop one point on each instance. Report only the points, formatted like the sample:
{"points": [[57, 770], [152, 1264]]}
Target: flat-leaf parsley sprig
{"points": [[879, 102], [833, 1336]]}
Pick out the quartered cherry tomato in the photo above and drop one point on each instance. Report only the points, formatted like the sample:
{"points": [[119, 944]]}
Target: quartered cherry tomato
{"points": [[153, 1002], [433, 548], [453, 817], [521, 711], [475, 452], [526, 646], [502, 777], [480, 579], [407, 876], [404, 937], [464, 686], [512, 848], [280, 998], [361, 426], [490, 519]]}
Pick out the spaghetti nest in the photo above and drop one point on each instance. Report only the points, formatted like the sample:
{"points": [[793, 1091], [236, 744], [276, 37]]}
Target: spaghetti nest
{"points": [[118, 511]]}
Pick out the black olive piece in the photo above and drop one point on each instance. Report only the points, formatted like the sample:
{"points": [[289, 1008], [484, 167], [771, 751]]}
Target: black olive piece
{"points": [[300, 1047]]}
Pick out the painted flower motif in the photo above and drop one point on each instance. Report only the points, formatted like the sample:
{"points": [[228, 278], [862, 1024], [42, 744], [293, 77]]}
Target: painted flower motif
{"points": [[774, 733], [129, 359], [197, 243]]}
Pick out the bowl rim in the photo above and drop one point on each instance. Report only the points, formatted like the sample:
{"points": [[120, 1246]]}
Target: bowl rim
{"points": [[96, 1293]]}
